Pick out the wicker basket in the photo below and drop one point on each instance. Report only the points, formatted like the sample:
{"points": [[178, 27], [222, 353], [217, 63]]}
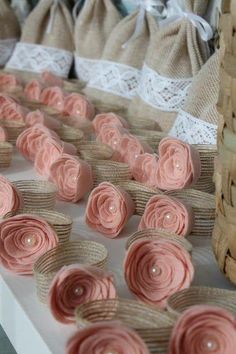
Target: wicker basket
{"points": [[95, 151], [37, 194], [110, 171], [198, 295], [83, 252], [6, 151]]}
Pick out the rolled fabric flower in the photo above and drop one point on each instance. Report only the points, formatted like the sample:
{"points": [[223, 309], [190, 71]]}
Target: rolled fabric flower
{"points": [[75, 285], [3, 135], [49, 79], [204, 329], [33, 90], [179, 164], [145, 169], [156, 269], [10, 198], [5, 99], [79, 106], [8, 82], [31, 140], [72, 176], [108, 210], [12, 111], [39, 117], [131, 147], [53, 97], [49, 153], [167, 213], [108, 118], [107, 338], [23, 239]]}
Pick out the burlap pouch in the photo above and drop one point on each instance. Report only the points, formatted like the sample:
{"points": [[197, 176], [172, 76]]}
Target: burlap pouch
{"points": [[116, 77], [93, 26], [175, 55], [197, 122], [9, 31], [47, 40]]}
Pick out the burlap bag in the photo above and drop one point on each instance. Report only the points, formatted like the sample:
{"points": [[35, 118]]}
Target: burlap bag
{"points": [[116, 77], [47, 40], [197, 122], [92, 29], [9, 31], [175, 55]]}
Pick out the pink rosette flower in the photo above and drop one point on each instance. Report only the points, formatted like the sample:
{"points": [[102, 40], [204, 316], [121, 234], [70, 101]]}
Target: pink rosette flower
{"points": [[179, 164], [108, 210], [108, 118], [8, 82], [12, 111], [3, 135], [155, 269], [75, 285], [10, 198], [53, 97], [50, 151], [23, 239], [39, 117], [167, 213], [33, 90], [131, 147], [31, 140], [79, 106], [51, 79], [204, 329], [107, 338], [72, 176], [145, 169]]}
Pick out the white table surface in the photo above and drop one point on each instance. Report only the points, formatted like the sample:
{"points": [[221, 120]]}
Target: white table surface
{"points": [[29, 324]]}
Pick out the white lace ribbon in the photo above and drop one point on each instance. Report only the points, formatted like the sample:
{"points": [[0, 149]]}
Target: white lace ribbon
{"points": [[6, 49], [118, 79], [165, 94], [84, 68], [193, 130], [38, 58]]}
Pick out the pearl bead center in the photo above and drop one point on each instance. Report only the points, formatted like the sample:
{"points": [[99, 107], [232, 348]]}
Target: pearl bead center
{"points": [[78, 291], [112, 208], [30, 241], [168, 216], [155, 270], [210, 345]]}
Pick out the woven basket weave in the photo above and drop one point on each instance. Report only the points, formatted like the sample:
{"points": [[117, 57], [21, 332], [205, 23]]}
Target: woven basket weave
{"points": [[110, 171], [6, 151], [82, 252]]}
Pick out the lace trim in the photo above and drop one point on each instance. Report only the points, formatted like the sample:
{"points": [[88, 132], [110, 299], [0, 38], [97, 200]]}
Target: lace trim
{"points": [[84, 68], [6, 48], [161, 92], [118, 79], [193, 130], [38, 58]]}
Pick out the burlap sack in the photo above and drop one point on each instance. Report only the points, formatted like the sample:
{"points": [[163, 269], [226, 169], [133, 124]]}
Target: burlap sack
{"points": [[93, 26], [116, 77], [46, 41], [197, 122], [175, 55], [9, 31]]}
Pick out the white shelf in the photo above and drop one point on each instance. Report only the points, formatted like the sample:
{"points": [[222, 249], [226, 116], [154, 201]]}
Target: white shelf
{"points": [[29, 324]]}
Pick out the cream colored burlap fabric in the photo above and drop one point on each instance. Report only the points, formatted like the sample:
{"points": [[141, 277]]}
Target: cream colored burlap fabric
{"points": [[9, 31], [93, 26], [175, 55], [197, 122], [47, 40]]}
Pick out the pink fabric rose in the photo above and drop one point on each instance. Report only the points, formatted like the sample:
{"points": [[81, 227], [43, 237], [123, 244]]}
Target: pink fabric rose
{"points": [[167, 213], [53, 97], [50, 151], [155, 269], [23, 239], [131, 147], [204, 329], [79, 106], [106, 338], [50, 79], [108, 210], [72, 176], [31, 140], [145, 169], [75, 285], [8, 82], [179, 165], [40, 117], [10, 198], [33, 90], [13, 112], [3, 135], [6, 99], [108, 118]]}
